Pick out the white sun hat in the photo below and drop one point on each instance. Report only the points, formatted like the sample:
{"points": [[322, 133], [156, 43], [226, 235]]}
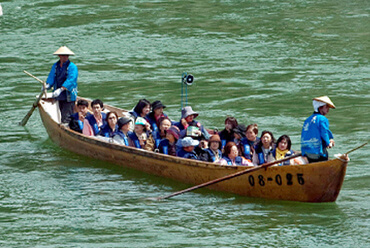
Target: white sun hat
{"points": [[322, 101], [63, 50]]}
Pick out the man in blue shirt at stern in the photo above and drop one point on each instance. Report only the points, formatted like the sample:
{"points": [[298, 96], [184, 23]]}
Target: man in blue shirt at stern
{"points": [[63, 78], [316, 136]]}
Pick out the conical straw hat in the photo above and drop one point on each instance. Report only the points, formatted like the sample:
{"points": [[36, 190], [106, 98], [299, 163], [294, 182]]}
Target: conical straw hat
{"points": [[63, 50], [325, 99]]}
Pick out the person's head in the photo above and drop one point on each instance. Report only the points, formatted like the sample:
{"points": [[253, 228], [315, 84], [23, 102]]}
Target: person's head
{"points": [[82, 106], [63, 52], [231, 150], [173, 134], [124, 124], [267, 139], [239, 131], [284, 143], [112, 119], [142, 108], [164, 124], [140, 124], [157, 108], [97, 106], [322, 104], [188, 144], [214, 142], [230, 123], [252, 132], [188, 114]]}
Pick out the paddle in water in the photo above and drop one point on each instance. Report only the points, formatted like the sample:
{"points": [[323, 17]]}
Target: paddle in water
{"points": [[36, 103]]}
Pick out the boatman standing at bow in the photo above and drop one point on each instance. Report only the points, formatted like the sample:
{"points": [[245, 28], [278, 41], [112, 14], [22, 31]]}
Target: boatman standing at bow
{"points": [[316, 136], [63, 79]]}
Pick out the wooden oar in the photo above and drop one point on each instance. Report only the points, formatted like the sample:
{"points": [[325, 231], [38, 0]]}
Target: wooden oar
{"points": [[43, 82], [36, 103], [226, 177]]}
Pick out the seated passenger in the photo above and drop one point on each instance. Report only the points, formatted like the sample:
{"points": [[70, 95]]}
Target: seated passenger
{"points": [[93, 123], [227, 135], [189, 127], [140, 135], [213, 152], [123, 134], [231, 156], [282, 149], [239, 135], [187, 148], [248, 143], [77, 119], [141, 109], [156, 136], [168, 145], [264, 148], [156, 113], [111, 127]]}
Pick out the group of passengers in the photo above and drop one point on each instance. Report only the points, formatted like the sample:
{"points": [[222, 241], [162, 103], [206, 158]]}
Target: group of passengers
{"points": [[147, 127]]}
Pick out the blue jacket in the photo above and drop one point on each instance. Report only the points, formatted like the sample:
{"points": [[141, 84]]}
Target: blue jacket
{"points": [[106, 131], [94, 124], [246, 145], [210, 156], [70, 83], [166, 148], [316, 135], [76, 117], [152, 121], [156, 137], [184, 154], [238, 160], [124, 137]]}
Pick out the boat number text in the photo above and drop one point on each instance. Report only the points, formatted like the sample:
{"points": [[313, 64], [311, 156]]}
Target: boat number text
{"points": [[279, 180]]}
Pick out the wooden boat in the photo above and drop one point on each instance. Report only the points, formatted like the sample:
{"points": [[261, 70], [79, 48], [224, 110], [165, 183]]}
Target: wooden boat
{"points": [[316, 182]]}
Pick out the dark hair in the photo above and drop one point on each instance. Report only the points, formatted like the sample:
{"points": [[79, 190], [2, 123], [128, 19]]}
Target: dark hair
{"points": [[109, 113], [254, 128], [82, 102], [161, 119], [97, 101], [260, 145], [141, 105], [227, 148], [233, 121], [284, 137]]}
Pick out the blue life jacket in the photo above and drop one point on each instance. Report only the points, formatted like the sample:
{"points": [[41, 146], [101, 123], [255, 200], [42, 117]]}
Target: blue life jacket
{"points": [[124, 137], [106, 131], [163, 146], [152, 121], [135, 139], [94, 124], [238, 160], [212, 155], [157, 138], [184, 154], [246, 148], [76, 117]]}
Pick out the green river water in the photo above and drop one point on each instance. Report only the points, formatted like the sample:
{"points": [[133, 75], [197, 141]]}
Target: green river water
{"points": [[261, 61]]}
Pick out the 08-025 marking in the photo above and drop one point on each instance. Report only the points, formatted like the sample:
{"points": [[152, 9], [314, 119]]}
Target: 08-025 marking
{"points": [[278, 179]]}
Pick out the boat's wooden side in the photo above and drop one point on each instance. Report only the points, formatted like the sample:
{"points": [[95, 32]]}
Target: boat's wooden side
{"points": [[318, 182]]}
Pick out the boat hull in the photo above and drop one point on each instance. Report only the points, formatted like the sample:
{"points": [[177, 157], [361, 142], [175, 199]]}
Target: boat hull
{"points": [[316, 182]]}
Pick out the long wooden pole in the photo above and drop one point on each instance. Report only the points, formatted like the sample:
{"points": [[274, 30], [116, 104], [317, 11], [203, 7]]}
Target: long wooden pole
{"points": [[226, 177], [36, 103]]}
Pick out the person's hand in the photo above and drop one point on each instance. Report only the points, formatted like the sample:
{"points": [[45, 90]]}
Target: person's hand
{"points": [[198, 132], [183, 122], [331, 144], [47, 86], [57, 92], [81, 117]]}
